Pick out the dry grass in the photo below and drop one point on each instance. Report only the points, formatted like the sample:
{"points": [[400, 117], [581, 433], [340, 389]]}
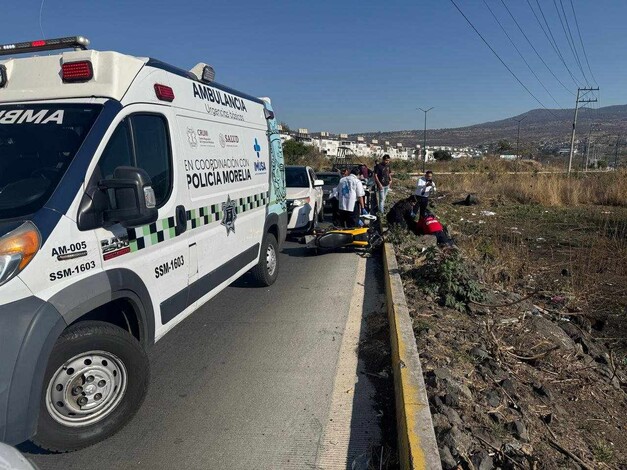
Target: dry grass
{"points": [[577, 253], [565, 236], [552, 189]]}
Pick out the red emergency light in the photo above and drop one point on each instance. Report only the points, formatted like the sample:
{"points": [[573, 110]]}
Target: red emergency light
{"points": [[164, 93], [79, 71]]}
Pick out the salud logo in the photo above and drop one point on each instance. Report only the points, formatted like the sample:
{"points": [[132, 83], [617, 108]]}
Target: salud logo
{"points": [[222, 140], [229, 210], [191, 137]]}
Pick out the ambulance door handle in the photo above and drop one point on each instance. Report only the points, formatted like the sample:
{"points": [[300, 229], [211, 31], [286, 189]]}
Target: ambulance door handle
{"points": [[180, 220]]}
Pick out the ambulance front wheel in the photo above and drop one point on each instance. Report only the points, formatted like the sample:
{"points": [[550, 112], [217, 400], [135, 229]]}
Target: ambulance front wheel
{"points": [[267, 270], [96, 380]]}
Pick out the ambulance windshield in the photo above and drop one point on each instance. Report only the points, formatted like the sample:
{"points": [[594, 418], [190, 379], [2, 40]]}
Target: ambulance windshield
{"points": [[37, 144]]}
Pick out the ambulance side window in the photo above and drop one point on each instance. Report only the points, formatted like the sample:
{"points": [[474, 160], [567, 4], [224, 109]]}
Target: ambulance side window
{"points": [[118, 151], [152, 152], [142, 141]]}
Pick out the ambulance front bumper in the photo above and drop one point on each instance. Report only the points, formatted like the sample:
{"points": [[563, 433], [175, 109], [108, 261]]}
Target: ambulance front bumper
{"points": [[29, 328]]}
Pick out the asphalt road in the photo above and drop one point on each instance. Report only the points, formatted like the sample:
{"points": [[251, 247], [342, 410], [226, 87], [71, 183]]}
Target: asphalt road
{"points": [[246, 382]]}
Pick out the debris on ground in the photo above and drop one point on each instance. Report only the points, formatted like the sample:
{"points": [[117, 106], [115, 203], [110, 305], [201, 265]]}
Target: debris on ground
{"points": [[514, 381]]}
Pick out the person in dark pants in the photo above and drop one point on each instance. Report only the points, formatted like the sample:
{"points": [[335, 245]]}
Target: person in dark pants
{"points": [[382, 179], [350, 195], [425, 188]]}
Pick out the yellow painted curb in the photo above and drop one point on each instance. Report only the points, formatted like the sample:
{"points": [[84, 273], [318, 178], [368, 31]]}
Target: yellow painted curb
{"points": [[418, 449]]}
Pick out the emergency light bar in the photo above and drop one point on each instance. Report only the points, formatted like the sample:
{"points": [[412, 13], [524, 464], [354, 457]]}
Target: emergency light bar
{"points": [[75, 42]]}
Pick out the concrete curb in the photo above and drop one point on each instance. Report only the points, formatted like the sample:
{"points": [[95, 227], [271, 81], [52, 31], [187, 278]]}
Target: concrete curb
{"points": [[417, 447]]}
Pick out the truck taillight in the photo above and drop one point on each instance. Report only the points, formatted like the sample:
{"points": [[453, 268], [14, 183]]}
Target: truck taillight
{"points": [[80, 71], [164, 93], [3, 76]]}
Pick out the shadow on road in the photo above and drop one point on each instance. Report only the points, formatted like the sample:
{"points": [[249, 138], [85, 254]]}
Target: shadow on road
{"points": [[300, 251], [373, 402], [29, 447]]}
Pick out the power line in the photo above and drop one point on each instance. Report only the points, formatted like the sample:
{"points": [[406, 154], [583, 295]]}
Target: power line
{"points": [[581, 41], [520, 53], [572, 41], [566, 34], [553, 41], [501, 60], [534, 49]]}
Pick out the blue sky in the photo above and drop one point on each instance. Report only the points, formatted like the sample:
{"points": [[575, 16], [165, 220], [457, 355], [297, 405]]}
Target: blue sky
{"points": [[352, 65]]}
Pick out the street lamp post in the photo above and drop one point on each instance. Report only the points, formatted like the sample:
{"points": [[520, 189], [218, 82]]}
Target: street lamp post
{"points": [[424, 141]]}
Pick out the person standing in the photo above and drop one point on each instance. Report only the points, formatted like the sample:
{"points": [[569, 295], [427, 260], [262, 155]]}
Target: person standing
{"points": [[382, 179], [350, 193], [425, 188]]}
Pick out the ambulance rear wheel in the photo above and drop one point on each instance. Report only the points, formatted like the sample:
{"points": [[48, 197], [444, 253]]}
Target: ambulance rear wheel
{"points": [[96, 380], [267, 270]]}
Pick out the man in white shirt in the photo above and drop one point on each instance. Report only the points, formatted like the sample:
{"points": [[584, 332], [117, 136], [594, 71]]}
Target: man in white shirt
{"points": [[351, 198], [424, 189]]}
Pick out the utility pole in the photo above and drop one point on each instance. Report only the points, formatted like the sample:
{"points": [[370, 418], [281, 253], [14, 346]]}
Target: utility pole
{"points": [[594, 155], [585, 158], [518, 138], [424, 140], [572, 137]]}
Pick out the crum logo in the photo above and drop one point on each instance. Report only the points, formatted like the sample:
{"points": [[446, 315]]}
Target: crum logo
{"points": [[215, 96]]}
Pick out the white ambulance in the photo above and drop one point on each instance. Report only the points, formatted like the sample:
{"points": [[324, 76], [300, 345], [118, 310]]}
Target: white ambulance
{"points": [[131, 192]]}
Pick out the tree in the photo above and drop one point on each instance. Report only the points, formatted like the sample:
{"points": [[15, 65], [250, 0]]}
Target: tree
{"points": [[285, 126], [503, 146], [293, 151], [442, 155]]}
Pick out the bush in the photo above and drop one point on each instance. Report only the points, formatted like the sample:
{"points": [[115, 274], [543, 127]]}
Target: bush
{"points": [[442, 155], [448, 277]]}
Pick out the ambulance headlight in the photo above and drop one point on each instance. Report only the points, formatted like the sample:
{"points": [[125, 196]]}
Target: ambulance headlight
{"points": [[17, 249]]}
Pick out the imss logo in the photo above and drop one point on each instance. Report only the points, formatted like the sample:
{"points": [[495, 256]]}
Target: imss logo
{"points": [[259, 166]]}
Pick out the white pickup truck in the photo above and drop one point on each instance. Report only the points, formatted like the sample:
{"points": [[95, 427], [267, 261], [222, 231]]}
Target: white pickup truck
{"points": [[304, 198]]}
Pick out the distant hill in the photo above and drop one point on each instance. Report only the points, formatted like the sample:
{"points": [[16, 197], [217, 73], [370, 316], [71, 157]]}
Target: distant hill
{"points": [[538, 127]]}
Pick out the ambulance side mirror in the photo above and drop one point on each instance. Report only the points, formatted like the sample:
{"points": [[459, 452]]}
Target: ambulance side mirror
{"points": [[132, 201]]}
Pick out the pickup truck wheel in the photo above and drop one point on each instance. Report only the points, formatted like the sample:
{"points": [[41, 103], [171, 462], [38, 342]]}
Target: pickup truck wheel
{"points": [[314, 221], [96, 380], [321, 214], [267, 270]]}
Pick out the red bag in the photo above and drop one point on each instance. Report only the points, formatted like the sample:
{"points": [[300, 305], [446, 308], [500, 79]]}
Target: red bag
{"points": [[429, 225]]}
